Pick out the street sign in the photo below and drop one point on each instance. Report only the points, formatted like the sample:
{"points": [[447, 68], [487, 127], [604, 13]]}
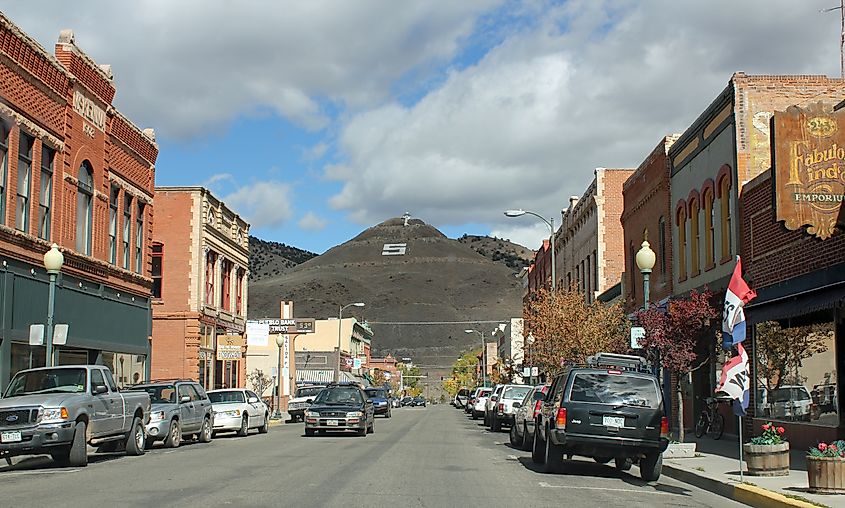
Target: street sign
{"points": [[356, 363], [637, 333], [289, 326], [36, 335], [60, 334], [535, 371], [257, 333], [526, 371]]}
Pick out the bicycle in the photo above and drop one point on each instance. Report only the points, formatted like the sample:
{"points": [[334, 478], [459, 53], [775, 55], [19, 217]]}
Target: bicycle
{"points": [[710, 421]]}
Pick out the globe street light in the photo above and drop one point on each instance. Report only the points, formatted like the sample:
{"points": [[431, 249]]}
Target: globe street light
{"points": [[277, 414], [519, 213], [53, 261], [483, 356], [645, 262], [339, 322]]}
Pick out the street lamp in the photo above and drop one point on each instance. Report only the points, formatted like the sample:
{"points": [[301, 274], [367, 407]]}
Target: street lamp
{"points": [[483, 356], [645, 262], [277, 414], [53, 261], [339, 322], [551, 224]]}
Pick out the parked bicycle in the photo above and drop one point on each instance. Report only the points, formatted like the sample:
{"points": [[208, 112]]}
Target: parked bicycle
{"points": [[710, 421]]}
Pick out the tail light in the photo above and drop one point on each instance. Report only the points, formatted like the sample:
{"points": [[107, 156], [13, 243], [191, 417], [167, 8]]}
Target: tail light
{"points": [[561, 418], [664, 427], [501, 408], [537, 406]]}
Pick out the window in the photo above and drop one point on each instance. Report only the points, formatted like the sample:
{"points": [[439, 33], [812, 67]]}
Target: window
{"points": [[4, 167], [595, 271], [139, 238], [588, 277], [97, 378], [226, 293], [724, 203], [24, 182], [84, 208], [634, 270], [210, 260], [114, 199], [45, 197], [661, 246], [709, 247], [682, 243], [127, 228], [239, 292], [158, 255], [694, 237]]}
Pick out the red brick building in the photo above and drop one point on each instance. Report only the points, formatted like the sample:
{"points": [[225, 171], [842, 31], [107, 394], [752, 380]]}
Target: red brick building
{"points": [[77, 173], [540, 271], [200, 263]]}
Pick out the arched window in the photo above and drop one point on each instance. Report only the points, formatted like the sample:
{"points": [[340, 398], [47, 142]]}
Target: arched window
{"points": [[709, 245], [694, 237], [84, 208], [661, 247], [725, 206], [682, 243]]}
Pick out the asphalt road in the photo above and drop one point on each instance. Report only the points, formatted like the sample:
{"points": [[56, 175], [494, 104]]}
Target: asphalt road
{"points": [[427, 457]]}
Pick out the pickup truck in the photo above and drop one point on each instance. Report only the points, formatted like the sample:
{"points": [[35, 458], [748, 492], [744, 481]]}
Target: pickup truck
{"points": [[60, 410]]}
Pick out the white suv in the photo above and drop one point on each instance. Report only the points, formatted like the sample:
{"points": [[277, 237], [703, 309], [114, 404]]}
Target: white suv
{"points": [[503, 410], [480, 400]]}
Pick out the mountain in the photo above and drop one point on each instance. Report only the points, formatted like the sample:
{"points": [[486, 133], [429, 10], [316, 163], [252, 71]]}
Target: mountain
{"points": [[513, 255], [269, 259], [435, 280]]}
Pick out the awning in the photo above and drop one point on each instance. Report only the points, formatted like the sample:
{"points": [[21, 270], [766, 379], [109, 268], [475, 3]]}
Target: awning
{"points": [[819, 290], [314, 376]]}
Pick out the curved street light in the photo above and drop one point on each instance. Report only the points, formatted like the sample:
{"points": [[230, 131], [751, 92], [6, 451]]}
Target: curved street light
{"points": [[53, 261], [519, 213], [339, 326]]}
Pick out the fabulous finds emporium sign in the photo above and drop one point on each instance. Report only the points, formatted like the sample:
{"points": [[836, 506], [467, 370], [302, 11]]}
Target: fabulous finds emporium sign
{"points": [[809, 168]]}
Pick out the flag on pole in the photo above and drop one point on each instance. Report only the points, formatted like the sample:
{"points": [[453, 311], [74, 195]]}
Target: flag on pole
{"points": [[735, 380], [733, 315]]}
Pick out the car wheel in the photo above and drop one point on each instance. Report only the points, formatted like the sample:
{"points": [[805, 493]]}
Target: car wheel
{"points": [[495, 424], [553, 462], [474, 415], [174, 435], [651, 466], [516, 439], [538, 449], [372, 427], [205, 434], [309, 432], [263, 428], [136, 438], [623, 463], [244, 430]]}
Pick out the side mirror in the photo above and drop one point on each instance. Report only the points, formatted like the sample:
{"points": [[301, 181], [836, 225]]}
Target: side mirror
{"points": [[517, 405], [494, 398], [309, 401], [185, 398], [253, 400], [539, 396], [100, 389]]}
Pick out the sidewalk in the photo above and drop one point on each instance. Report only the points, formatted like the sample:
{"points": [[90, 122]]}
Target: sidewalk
{"points": [[716, 468]]}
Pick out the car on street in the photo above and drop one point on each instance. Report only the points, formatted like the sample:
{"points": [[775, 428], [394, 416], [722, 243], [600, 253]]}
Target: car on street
{"points": [[381, 400], [59, 411], [406, 401], [522, 430], [180, 409], [480, 401], [460, 399], [490, 404], [340, 407], [239, 410], [419, 401], [609, 409], [302, 399], [503, 410]]}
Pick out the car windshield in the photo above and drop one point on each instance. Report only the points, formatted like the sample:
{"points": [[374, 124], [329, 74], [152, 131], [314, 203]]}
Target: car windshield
{"points": [[376, 393], [339, 396], [309, 391], [47, 381], [159, 394], [787, 394], [228, 397], [516, 392], [604, 388]]}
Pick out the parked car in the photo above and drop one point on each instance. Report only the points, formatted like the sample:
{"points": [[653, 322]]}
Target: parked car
{"points": [[522, 430], [503, 409], [480, 402], [238, 409], [490, 404], [790, 402], [61, 410], [381, 400], [340, 407], [610, 409], [406, 401], [471, 400], [180, 408], [302, 399], [460, 399], [419, 401]]}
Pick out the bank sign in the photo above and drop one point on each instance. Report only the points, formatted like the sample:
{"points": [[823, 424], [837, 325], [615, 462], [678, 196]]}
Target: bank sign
{"points": [[809, 168]]}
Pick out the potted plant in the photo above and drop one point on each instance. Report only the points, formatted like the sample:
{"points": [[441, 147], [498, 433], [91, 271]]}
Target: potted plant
{"points": [[768, 453], [826, 467]]}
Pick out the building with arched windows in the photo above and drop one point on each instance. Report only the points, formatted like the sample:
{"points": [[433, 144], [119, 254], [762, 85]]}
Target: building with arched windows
{"points": [[75, 172]]}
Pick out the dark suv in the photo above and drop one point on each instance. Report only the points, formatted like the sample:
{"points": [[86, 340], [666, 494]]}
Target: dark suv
{"points": [[340, 406], [612, 408]]}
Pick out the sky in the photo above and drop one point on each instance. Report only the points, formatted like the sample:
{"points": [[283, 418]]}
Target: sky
{"points": [[317, 119]]}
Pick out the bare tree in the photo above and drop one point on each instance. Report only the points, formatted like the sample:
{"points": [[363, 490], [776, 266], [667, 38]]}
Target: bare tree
{"points": [[260, 381]]}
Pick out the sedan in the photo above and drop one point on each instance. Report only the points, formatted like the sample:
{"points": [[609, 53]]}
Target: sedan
{"points": [[238, 409]]}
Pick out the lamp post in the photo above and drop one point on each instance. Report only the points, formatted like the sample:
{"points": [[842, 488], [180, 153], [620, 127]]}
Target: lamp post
{"points": [[483, 356], [645, 262], [551, 224], [339, 323], [53, 261], [277, 414]]}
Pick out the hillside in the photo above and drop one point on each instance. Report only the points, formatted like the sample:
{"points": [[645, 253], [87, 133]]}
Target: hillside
{"points": [[512, 255], [269, 259]]}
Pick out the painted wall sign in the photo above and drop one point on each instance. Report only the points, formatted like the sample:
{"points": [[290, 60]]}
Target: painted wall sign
{"points": [[292, 326], [809, 168], [89, 110], [394, 249]]}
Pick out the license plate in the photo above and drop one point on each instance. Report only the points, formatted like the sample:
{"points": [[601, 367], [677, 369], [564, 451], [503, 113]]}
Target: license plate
{"points": [[613, 421], [331, 423], [10, 437]]}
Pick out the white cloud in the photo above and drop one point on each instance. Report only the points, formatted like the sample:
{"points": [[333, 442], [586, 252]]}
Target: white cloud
{"points": [[529, 236], [263, 204], [311, 222], [217, 178], [315, 152]]}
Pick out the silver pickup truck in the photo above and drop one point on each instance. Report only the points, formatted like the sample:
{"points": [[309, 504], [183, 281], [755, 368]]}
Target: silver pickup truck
{"points": [[60, 410]]}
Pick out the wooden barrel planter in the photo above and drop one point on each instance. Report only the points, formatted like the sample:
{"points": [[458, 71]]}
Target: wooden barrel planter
{"points": [[826, 474], [767, 460]]}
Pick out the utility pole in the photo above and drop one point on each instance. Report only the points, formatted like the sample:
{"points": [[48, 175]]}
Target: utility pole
{"points": [[841, 10]]}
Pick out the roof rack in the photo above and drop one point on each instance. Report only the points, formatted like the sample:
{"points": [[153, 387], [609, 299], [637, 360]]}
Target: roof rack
{"points": [[617, 361]]}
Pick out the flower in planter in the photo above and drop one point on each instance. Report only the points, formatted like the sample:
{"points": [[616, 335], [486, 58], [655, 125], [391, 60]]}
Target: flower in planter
{"points": [[771, 435], [832, 449]]}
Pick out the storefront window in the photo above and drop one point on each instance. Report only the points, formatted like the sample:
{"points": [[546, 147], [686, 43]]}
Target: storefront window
{"points": [[25, 356], [127, 369], [796, 369]]}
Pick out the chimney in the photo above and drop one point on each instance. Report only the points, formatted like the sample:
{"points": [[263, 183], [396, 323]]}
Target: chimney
{"points": [[573, 200]]}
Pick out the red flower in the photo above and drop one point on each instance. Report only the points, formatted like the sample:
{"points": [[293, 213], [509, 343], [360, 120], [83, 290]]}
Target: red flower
{"points": [[766, 426], [833, 448], [822, 447], [781, 430]]}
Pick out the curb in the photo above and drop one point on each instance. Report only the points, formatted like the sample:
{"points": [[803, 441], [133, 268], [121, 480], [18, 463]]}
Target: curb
{"points": [[751, 495]]}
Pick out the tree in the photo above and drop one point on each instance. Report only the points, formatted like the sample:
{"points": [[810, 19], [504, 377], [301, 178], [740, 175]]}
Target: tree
{"points": [[463, 373], [382, 378], [567, 330], [671, 337], [260, 381], [410, 378], [781, 351]]}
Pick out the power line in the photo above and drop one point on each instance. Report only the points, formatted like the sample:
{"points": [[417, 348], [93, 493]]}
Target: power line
{"points": [[423, 323]]}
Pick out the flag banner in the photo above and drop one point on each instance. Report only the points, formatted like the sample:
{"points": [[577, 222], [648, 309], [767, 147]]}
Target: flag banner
{"points": [[733, 315], [735, 381]]}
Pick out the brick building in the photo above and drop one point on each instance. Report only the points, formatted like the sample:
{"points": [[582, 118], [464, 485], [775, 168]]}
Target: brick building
{"points": [[539, 273], [200, 259], [646, 216], [77, 173]]}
